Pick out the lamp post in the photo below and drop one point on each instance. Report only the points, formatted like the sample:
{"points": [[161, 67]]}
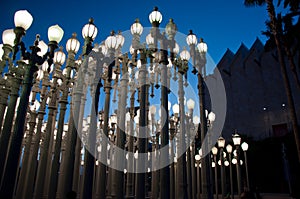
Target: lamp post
{"points": [[237, 141], [214, 151], [199, 62], [66, 169], [198, 159], [221, 145], [229, 150], [182, 65], [245, 146]]}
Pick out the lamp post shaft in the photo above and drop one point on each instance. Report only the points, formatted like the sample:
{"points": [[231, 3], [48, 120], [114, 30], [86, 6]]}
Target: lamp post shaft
{"points": [[181, 168], [118, 188], [13, 157], [8, 124], [140, 191], [247, 172], [164, 172], [101, 189], [222, 174], [231, 180], [216, 178], [238, 171], [46, 146], [130, 175], [205, 167]]}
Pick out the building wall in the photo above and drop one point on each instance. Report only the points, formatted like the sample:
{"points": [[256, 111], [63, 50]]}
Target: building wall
{"points": [[256, 99]]}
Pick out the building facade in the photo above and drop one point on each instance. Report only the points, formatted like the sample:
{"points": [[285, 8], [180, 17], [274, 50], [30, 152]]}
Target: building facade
{"points": [[256, 98]]}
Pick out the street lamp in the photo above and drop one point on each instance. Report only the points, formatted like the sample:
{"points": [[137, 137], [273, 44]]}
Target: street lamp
{"points": [[221, 145], [229, 150], [198, 163], [214, 151], [237, 141], [245, 146]]}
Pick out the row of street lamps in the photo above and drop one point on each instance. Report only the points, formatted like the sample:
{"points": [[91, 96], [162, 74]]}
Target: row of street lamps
{"points": [[43, 156]]}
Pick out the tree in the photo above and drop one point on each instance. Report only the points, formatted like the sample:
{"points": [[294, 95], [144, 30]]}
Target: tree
{"points": [[276, 30]]}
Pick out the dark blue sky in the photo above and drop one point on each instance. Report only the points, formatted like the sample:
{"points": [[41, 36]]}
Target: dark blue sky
{"points": [[222, 24]]}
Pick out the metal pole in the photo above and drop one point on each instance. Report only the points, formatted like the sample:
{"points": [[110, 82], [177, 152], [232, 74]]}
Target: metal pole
{"points": [[216, 177], [198, 180], [29, 179], [14, 81], [13, 156], [181, 169], [222, 174], [247, 174], [118, 176], [140, 191], [101, 189], [231, 180], [45, 146], [129, 185], [164, 172]]}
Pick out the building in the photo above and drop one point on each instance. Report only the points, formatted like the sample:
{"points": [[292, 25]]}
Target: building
{"points": [[256, 98]]}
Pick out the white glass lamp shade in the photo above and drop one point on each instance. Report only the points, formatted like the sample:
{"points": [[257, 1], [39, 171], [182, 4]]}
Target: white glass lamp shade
{"points": [[120, 40], [111, 42], [89, 30], [149, 39], [185, 55], [229, 148], [191, 39], [197, 157], [44, 48], [113, 118], [169, 105], [244, 146], [211, 117], [72, 44], [236, 139], [190, 104], [213, 164], [8, 37], [234, 161], [152, 109], [59, 58], [214, 150], [155, 16], [45, 66], [175, 108], [196, 119], [55, 33], [202, 47], [200, 152], [40, 75], [1, 51], [23, 19], [221, 142], [136, 28], [127, 117], [176, 48], [226, 163]]}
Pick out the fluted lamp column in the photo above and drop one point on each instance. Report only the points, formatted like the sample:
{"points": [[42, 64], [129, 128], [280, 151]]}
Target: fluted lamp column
{"points": [[214, 151], [229, 150], [221, 145], [67, 165], [237, 141], [245, 146]]}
